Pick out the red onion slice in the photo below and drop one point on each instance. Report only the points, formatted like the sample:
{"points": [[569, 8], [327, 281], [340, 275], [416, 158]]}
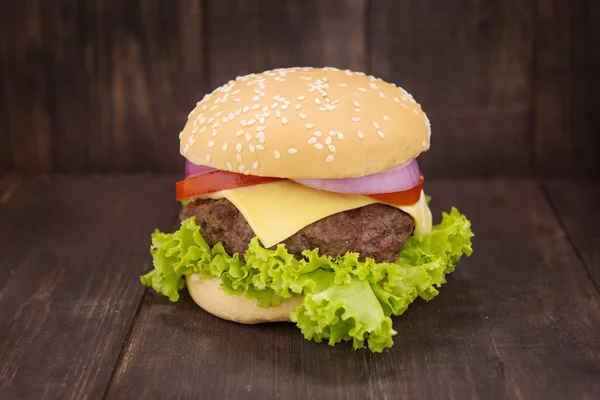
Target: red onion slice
{"points": [[397, 179], [192, 169]]}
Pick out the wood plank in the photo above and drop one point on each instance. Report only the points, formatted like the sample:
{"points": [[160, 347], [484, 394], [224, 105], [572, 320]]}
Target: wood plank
{"points": [[247, 36], [517, 320], [71, 251], [577, 204], [99, 86], [469, 64], [26, 130], [566, 88]]}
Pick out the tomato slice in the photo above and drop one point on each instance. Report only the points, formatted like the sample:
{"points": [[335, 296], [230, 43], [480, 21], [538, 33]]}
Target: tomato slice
{"points": [[403, 198], [216, 181]]}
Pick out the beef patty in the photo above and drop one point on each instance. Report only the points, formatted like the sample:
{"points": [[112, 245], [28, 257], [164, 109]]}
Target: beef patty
{"points": [[375, 231]]}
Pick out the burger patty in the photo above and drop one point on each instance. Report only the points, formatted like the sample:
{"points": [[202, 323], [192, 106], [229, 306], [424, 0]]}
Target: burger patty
{"points": [[375, 231]]}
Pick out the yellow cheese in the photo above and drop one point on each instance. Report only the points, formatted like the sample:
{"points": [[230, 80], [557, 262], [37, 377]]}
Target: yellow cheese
{"points": [[277, 210]]}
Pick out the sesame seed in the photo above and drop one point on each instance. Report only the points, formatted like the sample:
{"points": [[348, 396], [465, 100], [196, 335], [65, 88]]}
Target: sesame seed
{"points": [[202, 129], [202, 119], [218, 113], [259, 147], [260, 128], [318, 146], [238, 157], [274, 105], [243, 123], [329, 159], [261, 137], [245, 109], [416, 111], [278, 114], [292, 150], [256, 91], [239, 133], [360, 134], [328, 140], [230, 115], [340, 135], [404, 105], [284, 107], [191, 113], [357, 104], [348, 72], [261, 120], [210, 144], [238, 147], [211, 119], [214, 132], [386, 117], [317, 100], [248, 137], [318, 133], [310, 126], [238, 112], [224, 120], [331, 148], [255, 107], [251, 121], [397, 100], [342, 85], [335, 101], [241, 168], [376, 125], [207, 158], [215, 124], [332, 133], [312, 140], [255, 165], [265, 108], [381, 135], [237, 99], [213, 108], [284, 120], [297, 106], [276, 154], [362, 89], [180, 134], [251, 148], [382, 95], [355, 119], [225, 145], [357, 110], [301, 98], [255, 98], [194, 130], [228, 165], [373, 86]]}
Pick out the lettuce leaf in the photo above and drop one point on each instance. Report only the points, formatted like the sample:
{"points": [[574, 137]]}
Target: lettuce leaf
{"points": [[344, 298]]}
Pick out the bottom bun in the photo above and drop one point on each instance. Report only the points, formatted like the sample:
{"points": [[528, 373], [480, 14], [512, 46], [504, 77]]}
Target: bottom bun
{"points": [[207, 293]]}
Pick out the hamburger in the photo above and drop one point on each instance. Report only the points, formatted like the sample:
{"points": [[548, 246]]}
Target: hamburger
{"points": [[303, 202]]}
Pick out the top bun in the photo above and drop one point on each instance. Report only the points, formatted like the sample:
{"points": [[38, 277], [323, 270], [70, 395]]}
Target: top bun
{"points": [[306, 123]]}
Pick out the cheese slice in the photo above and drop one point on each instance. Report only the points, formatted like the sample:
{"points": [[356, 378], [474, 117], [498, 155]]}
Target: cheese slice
{"points": [[277, 210]]}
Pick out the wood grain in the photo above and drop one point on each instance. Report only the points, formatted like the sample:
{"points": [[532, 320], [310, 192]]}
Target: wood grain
{"points": [[469, 63], [99, 86], [71, 251], [251, 36], [577, 204], [517, 320], [26, 128], [567, 89]]}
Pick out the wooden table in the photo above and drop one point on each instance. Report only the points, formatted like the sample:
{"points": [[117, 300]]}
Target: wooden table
{"points": [[519, 319]]}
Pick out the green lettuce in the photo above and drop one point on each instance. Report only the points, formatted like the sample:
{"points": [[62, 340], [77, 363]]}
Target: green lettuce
{"points": [[344, 298]]}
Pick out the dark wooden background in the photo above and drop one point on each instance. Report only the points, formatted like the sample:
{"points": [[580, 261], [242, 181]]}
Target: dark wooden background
{"points": [[104, 86]]}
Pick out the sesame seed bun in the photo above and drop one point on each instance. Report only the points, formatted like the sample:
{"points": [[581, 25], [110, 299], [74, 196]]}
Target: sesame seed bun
{"points": [[306, 123], [207, 293]]}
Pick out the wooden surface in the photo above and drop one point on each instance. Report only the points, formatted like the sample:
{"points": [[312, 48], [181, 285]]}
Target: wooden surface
{"points": [[578, 204], [71, 251], [519, 319], [105, 86]]}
